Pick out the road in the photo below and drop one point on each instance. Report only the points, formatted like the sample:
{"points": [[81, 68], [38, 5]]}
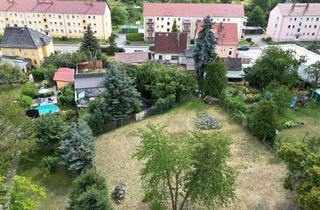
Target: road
{"points": [[71, 48]]}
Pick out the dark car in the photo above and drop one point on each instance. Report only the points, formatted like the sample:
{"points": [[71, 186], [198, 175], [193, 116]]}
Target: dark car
{"points": [[243, 48]]}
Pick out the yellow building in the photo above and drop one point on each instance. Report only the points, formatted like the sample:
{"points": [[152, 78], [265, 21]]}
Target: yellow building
{"points": [[27, 43], [57, 18]]}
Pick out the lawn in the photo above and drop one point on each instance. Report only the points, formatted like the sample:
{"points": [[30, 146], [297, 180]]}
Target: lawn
{"points": [[261, 174], [309, 116], [14, 91]]}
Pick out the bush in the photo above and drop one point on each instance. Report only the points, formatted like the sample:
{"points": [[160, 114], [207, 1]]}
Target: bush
{"points": [[29, 89], [66, 96], [25, 101], [38, 74], [135, 37], [164, 104], [249, 40], [49, 163], [112, 50], [89, 191], [234, 104], [239, 117]]}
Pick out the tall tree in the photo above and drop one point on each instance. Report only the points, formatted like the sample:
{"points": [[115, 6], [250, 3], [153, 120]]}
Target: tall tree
{"points": [[89, 192], [263, 122], [314, 72], [77, 147], [174, 26], [275, 65], [215, 79], [16, 133], [118, 16], [11, 74], [257, 17], [263, 4], [303, 162], [90, 45], [120, 95], [185, 168], [205, 49]]}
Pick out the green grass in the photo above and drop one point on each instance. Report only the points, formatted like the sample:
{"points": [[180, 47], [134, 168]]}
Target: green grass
{"points": [[57, 184], [309, 115], [66, 40], [13, 92]]}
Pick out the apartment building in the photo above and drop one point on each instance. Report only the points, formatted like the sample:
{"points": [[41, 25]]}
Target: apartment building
{"points": [[24, 42], [294, 22], [57, 18], [159, 17]]}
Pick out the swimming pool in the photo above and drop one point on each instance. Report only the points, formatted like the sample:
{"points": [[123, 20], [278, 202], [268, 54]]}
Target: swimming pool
{"points": [[48, 108]]}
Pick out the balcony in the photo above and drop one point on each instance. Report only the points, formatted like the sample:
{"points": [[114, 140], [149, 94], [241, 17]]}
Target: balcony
{"points": [[150, 30], [150, 23]]}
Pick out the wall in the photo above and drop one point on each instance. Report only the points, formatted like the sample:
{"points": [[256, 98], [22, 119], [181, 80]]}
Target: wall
{"points": [[62, 84], [167, 57], [223, 51]]}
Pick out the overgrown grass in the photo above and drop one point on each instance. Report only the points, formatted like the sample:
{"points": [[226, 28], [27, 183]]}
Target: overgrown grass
{"points": [[13, 92]]}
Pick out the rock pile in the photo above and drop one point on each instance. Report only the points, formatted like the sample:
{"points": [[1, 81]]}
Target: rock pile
{"points": [[119, 192], [211, 100], [206, 122]]}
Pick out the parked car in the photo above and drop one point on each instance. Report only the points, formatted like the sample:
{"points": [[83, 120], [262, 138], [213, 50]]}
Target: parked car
{"points": [[243, 48]]}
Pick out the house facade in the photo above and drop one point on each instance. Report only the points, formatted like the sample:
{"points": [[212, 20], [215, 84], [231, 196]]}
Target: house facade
{"points": [[64, 77], [159, 17], [227, 38], [24, 42], [57, 18], [294, 22], [169, 47]]}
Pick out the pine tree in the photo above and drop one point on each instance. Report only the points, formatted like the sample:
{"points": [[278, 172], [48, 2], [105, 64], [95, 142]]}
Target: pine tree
{"points": [[90, 45], [174, 26], [121, 96], [77, 147], [215, 79], [204, 50]]}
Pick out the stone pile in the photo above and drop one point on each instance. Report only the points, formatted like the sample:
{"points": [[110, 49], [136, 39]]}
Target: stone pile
{"points": [[211, 100], [206, 122]]}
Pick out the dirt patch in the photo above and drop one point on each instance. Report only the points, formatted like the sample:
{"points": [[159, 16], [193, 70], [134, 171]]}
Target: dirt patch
{"points": [[259, 184]]}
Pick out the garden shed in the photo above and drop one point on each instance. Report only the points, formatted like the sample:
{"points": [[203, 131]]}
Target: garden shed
{"points": [[315, 95]]}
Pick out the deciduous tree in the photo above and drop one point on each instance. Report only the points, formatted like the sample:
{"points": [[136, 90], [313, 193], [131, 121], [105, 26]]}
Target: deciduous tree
{"points": [[118, 16], [314, 71], [183, 168], [11, 74], [257, 17]]}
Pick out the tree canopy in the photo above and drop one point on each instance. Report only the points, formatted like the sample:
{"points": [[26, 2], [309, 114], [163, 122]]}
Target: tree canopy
{"points": [[183, 168], [11, 74], [313, 71], [205, 49], [275, 65], [77, 147], [90, 45], [215, 79], [257, 17], [118, 16]]}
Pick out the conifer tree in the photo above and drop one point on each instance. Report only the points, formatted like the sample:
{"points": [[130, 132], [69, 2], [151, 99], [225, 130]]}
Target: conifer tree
{"points": [[121, 95], [205, 49], [215, 79], [174, 27], [77, 147], [90, 45]]}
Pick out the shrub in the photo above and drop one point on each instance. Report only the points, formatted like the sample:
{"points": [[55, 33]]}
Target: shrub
{"points": [[234, 104], [25, 101], [29, 89], [112, 50], [89, 191], [164, 104], [249, 40], [135, 37], [66, 96], [38, 74], [239, 117], [49, 163]]}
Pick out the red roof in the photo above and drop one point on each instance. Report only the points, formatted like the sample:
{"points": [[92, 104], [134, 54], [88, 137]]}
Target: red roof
{"points": [[226, 33], [170, 42], [64, 74], [192, 10], [300, 9], [134, 57], [57, 6]]}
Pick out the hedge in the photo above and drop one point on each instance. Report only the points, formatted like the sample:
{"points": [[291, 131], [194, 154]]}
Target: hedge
{"points": [[135, 37]]}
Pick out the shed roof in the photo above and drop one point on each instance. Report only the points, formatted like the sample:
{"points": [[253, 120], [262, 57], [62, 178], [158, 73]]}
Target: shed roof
{"points": [[133, 57], [86, 81], [64, 74]]}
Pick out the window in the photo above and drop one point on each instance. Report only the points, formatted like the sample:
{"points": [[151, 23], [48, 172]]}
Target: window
{"points": [[59, 16], [162, 19], [168, 30], [84, 21], [293, 26], [307, 19], [317, 19], [312, 34], [174, 58], [179, 19], [94, 17], [160, 57], [298, 29], [300, 24], [315, 26], [230, 51], [309, 26], [89, 17], [35, 61], [289, 26], [168, 23], [157, 18], [295, 19]]}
